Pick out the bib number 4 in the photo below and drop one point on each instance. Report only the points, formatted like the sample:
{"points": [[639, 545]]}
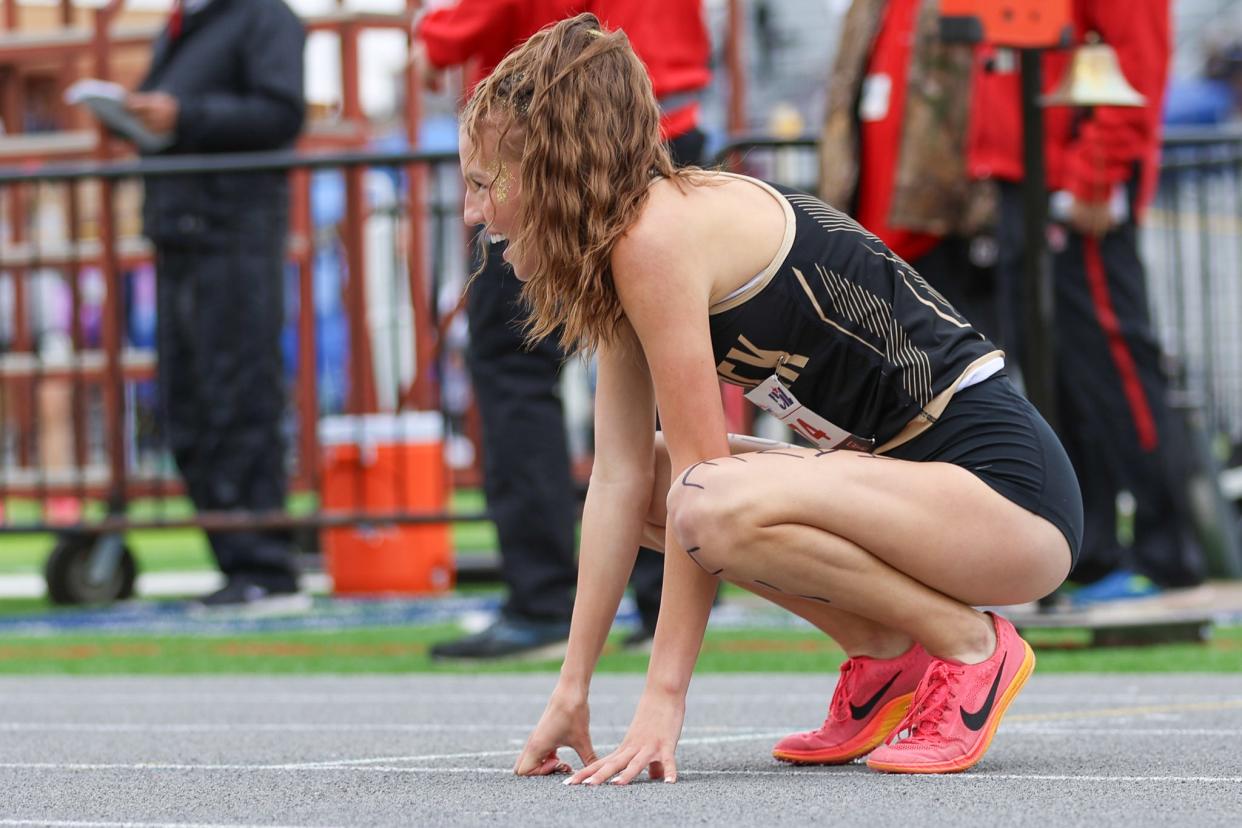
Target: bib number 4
{"points": [[773, 397]]}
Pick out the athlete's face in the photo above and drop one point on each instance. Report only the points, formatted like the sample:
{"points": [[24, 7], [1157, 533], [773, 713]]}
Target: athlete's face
{"points": [[493, 188]]}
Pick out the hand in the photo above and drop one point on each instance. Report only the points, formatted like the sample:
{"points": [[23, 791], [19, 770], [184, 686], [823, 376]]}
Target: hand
{"points": [[157, 110], [565, 721], [650, 743], [1091, 218]]}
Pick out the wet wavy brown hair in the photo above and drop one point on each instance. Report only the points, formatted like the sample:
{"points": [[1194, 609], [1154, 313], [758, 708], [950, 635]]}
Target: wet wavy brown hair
{"points": [[574, 107]]}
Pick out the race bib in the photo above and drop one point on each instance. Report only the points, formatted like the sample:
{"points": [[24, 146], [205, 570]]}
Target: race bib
{"points": [[773, 397]]}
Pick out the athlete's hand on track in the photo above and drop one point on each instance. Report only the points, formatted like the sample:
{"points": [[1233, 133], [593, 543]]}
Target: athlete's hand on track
{"points": [[650, 743], [565, 721]]}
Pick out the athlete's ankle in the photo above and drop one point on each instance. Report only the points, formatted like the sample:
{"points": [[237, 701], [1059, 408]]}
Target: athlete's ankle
{"points": [[881, 648], [975, 643]]}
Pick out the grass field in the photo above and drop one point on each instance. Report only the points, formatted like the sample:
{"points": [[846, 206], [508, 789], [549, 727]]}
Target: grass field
{"points": [[404, 650], [186, 550]]}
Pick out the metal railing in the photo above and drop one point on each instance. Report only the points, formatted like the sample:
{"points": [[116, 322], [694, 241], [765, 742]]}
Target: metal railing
{"points": [[1192, 247], [374, 263], [1191, 243], [390, 262]]}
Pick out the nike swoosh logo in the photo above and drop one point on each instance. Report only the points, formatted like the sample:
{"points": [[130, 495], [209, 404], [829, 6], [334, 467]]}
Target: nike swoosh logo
{"points": [[860, 712], [976, 720]]}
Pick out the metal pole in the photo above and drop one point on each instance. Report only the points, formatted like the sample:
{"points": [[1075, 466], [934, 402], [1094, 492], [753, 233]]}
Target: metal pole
{"points": [[307, 377], [422, 297], [735, 60], [1038, 342]]}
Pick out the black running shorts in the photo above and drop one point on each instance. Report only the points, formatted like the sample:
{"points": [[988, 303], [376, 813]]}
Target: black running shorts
{"points": [[993, 432]]}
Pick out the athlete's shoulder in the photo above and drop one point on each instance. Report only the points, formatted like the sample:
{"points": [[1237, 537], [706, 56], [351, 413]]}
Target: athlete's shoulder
{"points": [[661, 231]]}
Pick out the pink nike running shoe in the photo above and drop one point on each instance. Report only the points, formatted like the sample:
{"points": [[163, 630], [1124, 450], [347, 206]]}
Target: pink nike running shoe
{"points": [[957, 708], [871, 697]]}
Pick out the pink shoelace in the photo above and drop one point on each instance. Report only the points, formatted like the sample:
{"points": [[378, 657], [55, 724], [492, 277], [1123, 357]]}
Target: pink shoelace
{"points": [[839, 708], [931, 700]]}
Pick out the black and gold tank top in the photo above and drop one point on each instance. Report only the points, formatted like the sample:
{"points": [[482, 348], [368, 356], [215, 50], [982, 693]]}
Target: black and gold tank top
{"points": [[849, 329]]}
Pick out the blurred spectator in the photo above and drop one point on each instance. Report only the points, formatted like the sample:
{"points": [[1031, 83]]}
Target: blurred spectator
{"points": [[225, 76], [1113, 412], [527, 480], [893, 152], [917, 132]]}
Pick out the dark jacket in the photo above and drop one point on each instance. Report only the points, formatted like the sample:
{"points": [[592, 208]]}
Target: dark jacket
{"points": [[236, 72]]}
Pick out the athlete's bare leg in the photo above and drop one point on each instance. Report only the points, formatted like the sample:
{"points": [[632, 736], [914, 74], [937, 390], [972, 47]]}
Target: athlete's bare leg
{"points": [[908, 547], [853, 633]]}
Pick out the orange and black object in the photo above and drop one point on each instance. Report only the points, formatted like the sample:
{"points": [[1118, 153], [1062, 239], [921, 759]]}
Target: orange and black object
{"points": [[1029, 27], [1021, 24]]}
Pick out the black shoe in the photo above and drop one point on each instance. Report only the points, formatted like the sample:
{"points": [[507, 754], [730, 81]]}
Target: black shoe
{"points": [[510, 638], [244, 593]]}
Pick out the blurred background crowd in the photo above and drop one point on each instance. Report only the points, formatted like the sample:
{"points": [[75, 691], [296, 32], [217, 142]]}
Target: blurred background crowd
{"points": [[771, 65]]}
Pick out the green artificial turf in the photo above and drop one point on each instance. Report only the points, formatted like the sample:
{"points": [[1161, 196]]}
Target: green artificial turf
{"points": [[404, 650], [186, 550]]}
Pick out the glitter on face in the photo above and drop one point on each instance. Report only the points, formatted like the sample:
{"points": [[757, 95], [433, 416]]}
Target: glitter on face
{"points": [[498, 172]]}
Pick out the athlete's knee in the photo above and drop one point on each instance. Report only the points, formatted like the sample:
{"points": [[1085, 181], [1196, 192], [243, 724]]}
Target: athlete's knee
{"points": [[705, 517]]}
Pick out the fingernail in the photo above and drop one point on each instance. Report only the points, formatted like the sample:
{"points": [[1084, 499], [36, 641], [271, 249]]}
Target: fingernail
{"points": [[569, 781]]}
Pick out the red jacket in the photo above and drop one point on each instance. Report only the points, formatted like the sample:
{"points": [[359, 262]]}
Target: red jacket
{"points": [[482, 32], [1088, 151], [879, 131], [669, 36]]}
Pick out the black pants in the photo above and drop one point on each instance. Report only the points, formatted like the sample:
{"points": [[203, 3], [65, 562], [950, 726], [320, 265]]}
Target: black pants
{"points": [[526, 475], [220, 310], [1112, 398]]}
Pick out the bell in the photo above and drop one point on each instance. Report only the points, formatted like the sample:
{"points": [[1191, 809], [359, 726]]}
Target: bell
{"points": [[1094, 78]]}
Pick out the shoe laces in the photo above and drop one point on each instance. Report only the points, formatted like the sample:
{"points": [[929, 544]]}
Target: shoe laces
{"points": [[839, 709], [931, 700]]}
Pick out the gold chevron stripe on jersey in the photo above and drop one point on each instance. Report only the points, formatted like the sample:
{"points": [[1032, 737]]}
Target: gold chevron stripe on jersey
{"points": [[834, 220], [863, 309]]}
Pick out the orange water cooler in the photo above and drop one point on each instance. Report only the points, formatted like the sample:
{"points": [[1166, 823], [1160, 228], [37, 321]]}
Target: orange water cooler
{"points": [[382, 464]]}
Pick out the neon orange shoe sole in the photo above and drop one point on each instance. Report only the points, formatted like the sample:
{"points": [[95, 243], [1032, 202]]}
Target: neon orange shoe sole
{"points": [[985, 740], [863, 742]]}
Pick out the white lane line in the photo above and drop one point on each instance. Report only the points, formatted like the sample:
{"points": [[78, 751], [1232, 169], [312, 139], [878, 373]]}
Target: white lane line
{"points": [[600, 749], [739, 733], [59, 823], [309, 727], [1019, 730], [175, 696], [353, 763], [836, 775], [419, 696], [270, 727]]}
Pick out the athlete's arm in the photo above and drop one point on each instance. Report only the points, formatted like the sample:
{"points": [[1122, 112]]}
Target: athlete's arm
{"points": [[665, 294], [622, 476], [617, 500]]}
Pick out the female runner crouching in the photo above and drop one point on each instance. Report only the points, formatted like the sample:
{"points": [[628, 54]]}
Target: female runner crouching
{"points": [[933, 486]]}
